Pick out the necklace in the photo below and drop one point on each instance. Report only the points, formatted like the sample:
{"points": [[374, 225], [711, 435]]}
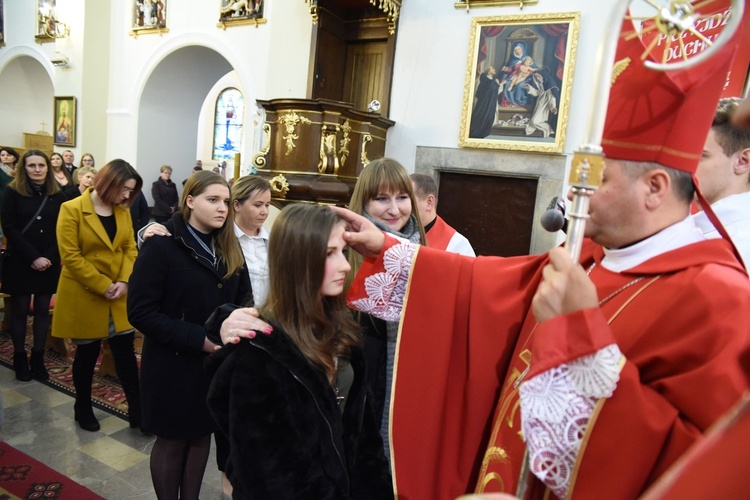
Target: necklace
{"points": [[210, 251]]}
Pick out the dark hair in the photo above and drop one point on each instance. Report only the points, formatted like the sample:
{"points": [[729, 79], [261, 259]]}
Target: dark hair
{"points": [[321, 326], [111, 178], [424, 186], [730, 138], [11, 152], [227, 245], [21, 182], [682, 182]]}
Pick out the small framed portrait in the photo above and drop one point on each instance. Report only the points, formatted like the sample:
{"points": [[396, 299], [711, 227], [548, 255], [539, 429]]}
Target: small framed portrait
{"points": [[2, 24], [149, 16], [241, 12], [518, 82], [65, 121]]}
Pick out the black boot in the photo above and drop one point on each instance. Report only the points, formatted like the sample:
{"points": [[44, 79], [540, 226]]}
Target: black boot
{"points": [[127, 371], [21, 365], [38, 370], [83, 376]]}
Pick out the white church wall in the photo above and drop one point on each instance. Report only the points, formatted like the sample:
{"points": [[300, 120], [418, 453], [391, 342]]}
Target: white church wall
{"points": [[287, 33]]}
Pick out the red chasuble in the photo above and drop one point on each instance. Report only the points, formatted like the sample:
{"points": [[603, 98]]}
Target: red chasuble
{"points": [[467, 336], [440, 234]]}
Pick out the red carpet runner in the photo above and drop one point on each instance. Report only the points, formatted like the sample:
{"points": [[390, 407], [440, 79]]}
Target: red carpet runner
{"points": [[23, 477]]}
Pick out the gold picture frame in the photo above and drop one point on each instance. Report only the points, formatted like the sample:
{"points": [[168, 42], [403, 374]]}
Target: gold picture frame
{"points": [[241, 12], [518, 83], [65, 121], [149, 17]]}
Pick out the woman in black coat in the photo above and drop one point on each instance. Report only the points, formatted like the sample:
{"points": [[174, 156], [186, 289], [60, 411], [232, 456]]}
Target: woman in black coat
{"points": [[295, 403], [176, 283], [32, 264], [164, 192]]}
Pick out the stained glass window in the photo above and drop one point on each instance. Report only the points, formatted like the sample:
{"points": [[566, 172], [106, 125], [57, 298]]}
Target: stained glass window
{"points": [[230, 108]]}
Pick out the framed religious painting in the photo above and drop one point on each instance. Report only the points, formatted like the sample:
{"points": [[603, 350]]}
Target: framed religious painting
{"points": [[65, 121], [518, 82], [149, 16], [241, 12]]}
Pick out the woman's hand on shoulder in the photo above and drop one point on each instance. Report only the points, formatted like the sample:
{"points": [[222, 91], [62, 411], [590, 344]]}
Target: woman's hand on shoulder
{"points": [[243, 323], [155, 229]]}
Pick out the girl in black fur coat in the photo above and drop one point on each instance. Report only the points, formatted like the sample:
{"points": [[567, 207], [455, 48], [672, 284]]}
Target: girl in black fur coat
{"points": [[294, 403]]}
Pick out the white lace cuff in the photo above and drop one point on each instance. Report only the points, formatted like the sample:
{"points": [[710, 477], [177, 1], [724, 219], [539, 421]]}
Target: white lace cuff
{"points": [[556, 407], [386, 290]]}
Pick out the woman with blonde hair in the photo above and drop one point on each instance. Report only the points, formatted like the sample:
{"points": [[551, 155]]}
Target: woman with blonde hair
{"points": [[95, 236], [384, 195], [30, 208], [164, 193], [177, 282], [251, 196], [295, 403]]}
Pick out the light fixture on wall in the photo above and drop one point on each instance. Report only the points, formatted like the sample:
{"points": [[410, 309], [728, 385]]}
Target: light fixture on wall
{"points": [[59, 60], [50, 25]]}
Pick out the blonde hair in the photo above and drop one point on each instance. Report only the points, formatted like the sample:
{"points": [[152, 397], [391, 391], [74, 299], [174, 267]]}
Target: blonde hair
{"points": [[244, 187], [227, 246], [382, 175]]}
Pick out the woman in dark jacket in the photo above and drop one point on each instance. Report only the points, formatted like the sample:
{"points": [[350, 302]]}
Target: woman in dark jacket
{"points": [[30, 206], [164, 192], [176, 283], [294, 403]]}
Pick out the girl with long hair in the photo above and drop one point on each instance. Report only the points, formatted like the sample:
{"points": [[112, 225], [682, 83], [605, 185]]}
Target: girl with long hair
{"points": [[62, 176], [97, 247], [384, 195], [30, 208], [295, 403], [178, 280]]}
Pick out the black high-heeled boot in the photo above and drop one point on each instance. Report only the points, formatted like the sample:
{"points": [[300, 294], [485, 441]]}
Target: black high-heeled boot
{"points": [[21, 365], [126, 365], [38, 370], [83, 376]]}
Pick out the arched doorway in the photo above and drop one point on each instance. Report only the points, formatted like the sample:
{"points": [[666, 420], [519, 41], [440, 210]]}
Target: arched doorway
{"points": [[170, 108], [26, 99]]}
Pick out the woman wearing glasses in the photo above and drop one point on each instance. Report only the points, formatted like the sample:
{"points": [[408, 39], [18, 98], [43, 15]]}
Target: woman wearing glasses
{"points": [[97, 247]]}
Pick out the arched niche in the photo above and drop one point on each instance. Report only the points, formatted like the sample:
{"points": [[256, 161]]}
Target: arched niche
{"points": [[26, 99]]}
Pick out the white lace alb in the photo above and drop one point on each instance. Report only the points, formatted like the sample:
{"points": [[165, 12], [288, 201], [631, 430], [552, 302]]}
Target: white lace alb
{"points": [[386, 290], [556, 407]]}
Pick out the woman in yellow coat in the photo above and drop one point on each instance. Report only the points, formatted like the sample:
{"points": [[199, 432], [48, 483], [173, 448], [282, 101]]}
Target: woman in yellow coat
{"points": [[97, 248]]}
